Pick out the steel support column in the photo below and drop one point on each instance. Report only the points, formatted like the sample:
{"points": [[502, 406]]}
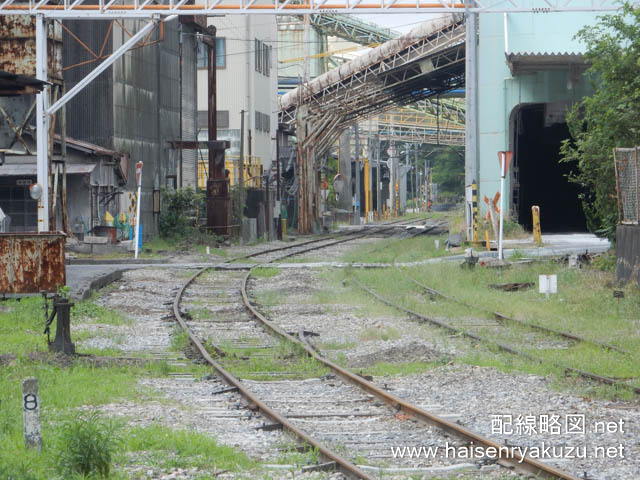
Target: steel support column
{"points": [[42, 125], [356, 156], [217, 183], [471, 91]]}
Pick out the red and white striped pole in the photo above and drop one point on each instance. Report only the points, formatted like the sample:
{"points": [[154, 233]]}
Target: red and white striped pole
{"points": [[505, 159], [139, 182]]}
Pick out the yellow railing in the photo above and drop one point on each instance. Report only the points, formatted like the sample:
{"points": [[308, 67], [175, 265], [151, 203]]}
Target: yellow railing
{"points": [[252, 171]]}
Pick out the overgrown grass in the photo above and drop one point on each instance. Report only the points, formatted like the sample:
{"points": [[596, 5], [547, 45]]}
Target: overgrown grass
{"points": [[379, 333], [336, 345], [180, 340], [286, 360], [265, 272], [292, 456], [22, 326], [584, 305], [89, 312], [400, 250], [184, 449], [338, 289], [61, 390]]}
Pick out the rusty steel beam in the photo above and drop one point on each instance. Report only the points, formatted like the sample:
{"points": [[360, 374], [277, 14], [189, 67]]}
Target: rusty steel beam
{"points": [[218, 200]]}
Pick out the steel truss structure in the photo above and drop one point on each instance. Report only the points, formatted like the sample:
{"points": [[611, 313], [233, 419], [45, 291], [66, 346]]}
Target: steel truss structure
{"points": [[448, 110], [419, 67], [352, 29], [146, 8], [410, 126]]}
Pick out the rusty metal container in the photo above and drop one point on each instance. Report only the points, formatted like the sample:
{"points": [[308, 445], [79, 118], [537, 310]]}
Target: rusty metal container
{"points": [[18, 46], [32, 262]]}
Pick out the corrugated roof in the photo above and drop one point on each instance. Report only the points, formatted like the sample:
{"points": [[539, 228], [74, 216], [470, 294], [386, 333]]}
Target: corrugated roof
{"points": [[12, 84], [523, 62], [29, 169]]}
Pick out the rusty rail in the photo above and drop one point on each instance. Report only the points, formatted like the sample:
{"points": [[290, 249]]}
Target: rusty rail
{"points": [[500, 346], [524, 323], [344, 465], [514, 460]]}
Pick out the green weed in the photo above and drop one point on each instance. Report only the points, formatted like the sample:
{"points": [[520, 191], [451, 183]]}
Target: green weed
{"points": [[86, 445], [265, 272]]}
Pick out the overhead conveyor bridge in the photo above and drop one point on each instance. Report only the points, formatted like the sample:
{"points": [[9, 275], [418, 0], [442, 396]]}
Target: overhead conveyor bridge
{"points": [[423, 63]]}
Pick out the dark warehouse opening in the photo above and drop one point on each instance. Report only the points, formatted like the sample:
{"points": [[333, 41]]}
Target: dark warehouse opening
{"points": [[540, 177]]}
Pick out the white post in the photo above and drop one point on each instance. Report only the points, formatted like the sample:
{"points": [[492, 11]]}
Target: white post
{"points": [[31, 413], [138, 201], [42, 125], [503, 174]]}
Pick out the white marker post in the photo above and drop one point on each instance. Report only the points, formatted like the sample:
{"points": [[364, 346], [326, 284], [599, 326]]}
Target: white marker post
{"points": [[548, 284], [31, 413], [137, 232], [505, 159]]}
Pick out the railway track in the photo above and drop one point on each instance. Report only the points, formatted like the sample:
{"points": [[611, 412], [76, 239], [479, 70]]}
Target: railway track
{"points": [[501, 317], [364, 421], [337, 239], [464, 331]]}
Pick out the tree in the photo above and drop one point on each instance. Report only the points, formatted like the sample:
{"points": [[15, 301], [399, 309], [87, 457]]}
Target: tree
{"points": [[610, 117], [448, 172]]}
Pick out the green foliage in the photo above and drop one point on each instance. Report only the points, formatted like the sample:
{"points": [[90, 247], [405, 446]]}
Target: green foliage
{"points": [[87, 445], [181, 212], [448, 173], [608, 118], [184, 449], [605, 262], [265, 272]]}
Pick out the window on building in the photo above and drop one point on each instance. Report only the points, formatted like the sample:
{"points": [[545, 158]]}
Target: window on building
{"points": [[257, 53], [262, 122], [262, 57], [202, 54], [266, 52], [222, 119]]}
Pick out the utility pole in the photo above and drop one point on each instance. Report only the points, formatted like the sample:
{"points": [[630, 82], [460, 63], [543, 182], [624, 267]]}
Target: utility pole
{"points": [[407, 159], [240, 171], [416, 191], [378, 179], [279, 221], [471, 90], [42, 124], [356, 217]]}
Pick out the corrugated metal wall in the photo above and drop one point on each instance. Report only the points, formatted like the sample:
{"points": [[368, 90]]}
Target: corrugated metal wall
{"points": [[189, 110], [134, 107], [90, 113]]}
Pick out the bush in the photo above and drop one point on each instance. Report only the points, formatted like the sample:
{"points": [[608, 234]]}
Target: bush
{"points": [[180, 213], [86, 446]]}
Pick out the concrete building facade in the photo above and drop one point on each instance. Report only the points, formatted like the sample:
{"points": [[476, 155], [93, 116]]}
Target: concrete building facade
{"points": [[530, 71], [247, 80]]}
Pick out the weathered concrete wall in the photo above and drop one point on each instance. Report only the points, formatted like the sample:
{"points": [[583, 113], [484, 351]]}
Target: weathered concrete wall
{"points": [[500, 92]]}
